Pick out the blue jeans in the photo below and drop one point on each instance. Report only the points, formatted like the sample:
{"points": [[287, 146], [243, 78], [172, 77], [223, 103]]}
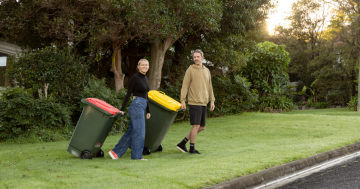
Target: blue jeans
{"points": [[135, 134]]}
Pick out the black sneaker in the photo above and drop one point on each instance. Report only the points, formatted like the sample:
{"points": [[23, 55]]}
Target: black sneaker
{"points": [[194, 152], [181, 148]]}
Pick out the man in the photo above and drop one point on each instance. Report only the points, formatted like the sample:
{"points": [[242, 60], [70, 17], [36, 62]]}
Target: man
{"points": [[197, 84]]}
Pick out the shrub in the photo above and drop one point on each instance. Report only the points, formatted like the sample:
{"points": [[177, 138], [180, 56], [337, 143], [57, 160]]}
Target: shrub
{"points": [[275, 102], [232, 95], [65, 74], [266, 66], [22, 115], [324, 105], [353, 103], [335, 97], [96, 88], [173, 91]]}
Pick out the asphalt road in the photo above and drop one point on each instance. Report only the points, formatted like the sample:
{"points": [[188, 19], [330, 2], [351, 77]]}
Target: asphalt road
{"points": [[345, 175]]}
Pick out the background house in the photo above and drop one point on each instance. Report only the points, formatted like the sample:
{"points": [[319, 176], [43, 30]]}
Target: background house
{"points": [[6, 49]]}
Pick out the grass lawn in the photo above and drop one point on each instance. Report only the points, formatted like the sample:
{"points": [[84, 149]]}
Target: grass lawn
{"points": [[231, 146]]}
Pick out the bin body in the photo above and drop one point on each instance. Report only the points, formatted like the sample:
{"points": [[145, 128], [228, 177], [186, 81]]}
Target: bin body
{"points": [[163, 112], [91, 130]]}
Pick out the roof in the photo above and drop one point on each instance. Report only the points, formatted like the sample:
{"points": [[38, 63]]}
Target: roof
{"points": [[8, 49]]}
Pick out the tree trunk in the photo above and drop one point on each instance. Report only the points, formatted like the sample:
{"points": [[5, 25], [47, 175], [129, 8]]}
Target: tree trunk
{"points": [[46, 87], [158, 50], [358, 102], [96, 69], [358, 19], [116, 67]]}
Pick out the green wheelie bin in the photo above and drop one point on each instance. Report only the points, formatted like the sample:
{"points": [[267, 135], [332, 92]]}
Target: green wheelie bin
{"points": [[163, 112], [94, 125]]}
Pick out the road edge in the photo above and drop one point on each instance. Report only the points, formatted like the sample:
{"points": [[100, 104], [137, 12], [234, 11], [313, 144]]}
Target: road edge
{"points": [[271, 174]]}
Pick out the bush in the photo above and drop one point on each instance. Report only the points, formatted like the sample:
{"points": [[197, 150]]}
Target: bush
{"points": [[353, 103], [335, 97], [22, 116], [265, 66], [96, 88], [275, 102], [232, 95], [65, 73], [318, 105]]}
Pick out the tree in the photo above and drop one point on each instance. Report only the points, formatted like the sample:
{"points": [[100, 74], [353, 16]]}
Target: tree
{"points": [[266, 66], [346, 25], [182, 17], [303, 38], [114, 24], [240, 27], [132, 29]]}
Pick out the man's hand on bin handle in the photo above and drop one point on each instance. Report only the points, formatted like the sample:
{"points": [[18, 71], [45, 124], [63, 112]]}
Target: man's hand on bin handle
{"points": [[183, 106], [148, 116]]}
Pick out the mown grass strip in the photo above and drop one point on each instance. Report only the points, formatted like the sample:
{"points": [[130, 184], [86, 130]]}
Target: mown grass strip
{"points": [[231, 146]]}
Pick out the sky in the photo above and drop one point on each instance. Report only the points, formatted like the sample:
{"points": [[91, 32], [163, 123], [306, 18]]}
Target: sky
{"points": [[278, 16]]}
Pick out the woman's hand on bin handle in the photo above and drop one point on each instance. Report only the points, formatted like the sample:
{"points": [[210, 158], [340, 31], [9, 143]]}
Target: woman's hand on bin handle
{"points": [[122, 113]]}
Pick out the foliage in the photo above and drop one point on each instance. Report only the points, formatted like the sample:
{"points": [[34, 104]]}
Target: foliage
{"points": [[265, 66], [233, 95], [317, 105], [353, 103], [312, 90], [96, 88], [65, 73], [335, 97], [174, 91], [330, 79], [22, 115], [303, 37], [226, 46], [275, 102], [97, 28]]}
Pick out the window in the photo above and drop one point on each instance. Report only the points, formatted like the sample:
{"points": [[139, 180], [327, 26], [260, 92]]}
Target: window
{"points": [[3, 61], [2, 70]]}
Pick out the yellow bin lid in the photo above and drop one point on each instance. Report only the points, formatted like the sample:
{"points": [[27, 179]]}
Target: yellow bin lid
{"points": [[164, 100]]}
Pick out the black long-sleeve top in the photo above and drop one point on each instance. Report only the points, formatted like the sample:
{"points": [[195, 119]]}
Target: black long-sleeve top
{"points": [[139, 86]]}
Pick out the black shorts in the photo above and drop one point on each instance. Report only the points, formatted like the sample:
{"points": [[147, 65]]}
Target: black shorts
{"points": [[197, 115]]}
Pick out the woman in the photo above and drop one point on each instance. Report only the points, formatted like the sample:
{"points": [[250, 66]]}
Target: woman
{"points": [[135, 135]]}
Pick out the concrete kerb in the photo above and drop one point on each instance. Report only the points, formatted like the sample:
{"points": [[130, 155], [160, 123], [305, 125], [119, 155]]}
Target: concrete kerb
{"points": [[268, 175]]}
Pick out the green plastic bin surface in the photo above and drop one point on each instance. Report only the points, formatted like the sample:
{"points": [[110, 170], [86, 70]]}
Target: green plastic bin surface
{"points": [[91, 130], [158, 125]]}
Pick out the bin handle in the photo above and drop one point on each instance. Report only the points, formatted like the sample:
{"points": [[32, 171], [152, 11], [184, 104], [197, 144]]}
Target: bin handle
{"points": [[121, 115], [182, 116], [161, 92]]}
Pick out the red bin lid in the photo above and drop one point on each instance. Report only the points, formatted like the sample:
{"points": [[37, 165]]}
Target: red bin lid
{"points": [[103, 105]]}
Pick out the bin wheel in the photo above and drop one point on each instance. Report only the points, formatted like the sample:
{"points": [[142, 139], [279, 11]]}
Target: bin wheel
{"points": [[160, 148], [100, 153], [86, 154], [146, 151]]}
